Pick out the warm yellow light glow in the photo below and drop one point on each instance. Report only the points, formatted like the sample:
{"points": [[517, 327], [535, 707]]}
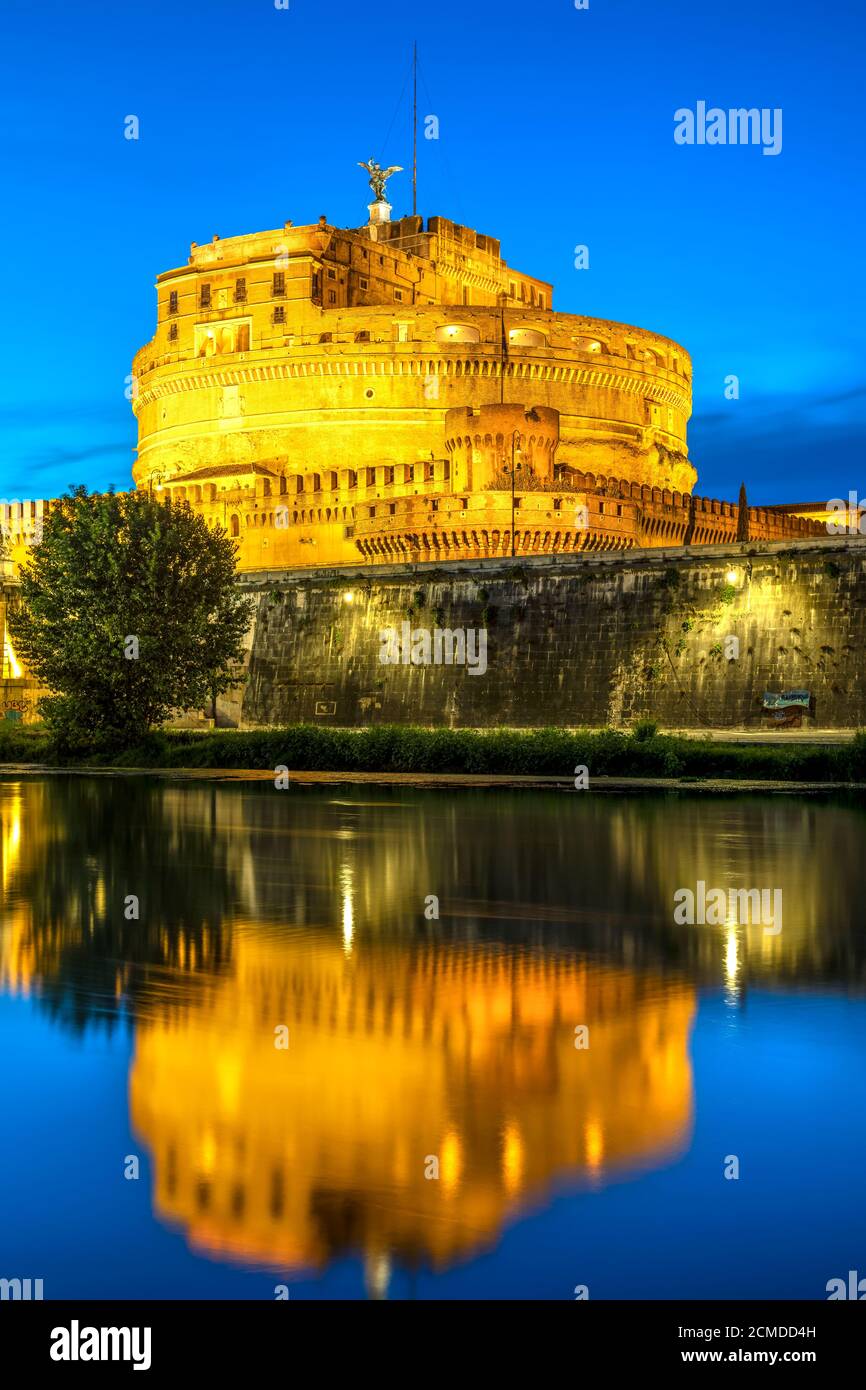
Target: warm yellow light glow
{"points": [[10, 837], [731, 956], [450, 1161], [733, 576], [207, 1155], [348, 596], [513, 1158], [228, 1081], [348, 910], [10, 660], [594, 1142]]}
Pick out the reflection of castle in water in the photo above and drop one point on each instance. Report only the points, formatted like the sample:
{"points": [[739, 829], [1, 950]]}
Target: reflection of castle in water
{"points": [[290, 1157], [408, 1038]]}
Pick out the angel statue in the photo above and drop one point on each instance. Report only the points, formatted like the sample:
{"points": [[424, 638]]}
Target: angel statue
{"points": [[378, 176]]}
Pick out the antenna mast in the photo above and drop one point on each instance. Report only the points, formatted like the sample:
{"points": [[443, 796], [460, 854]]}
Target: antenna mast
{"points": [[415, 129]]}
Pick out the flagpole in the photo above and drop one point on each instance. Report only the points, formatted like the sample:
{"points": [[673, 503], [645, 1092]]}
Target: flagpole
{"points": [[415, 129]]}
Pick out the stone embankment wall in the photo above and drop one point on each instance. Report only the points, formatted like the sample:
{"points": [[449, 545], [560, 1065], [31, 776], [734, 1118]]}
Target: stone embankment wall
{"points": [[687, 637]]}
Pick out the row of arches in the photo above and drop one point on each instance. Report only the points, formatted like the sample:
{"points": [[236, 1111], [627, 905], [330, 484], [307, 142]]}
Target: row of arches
{"points": [[484, 542], [279, 520]]}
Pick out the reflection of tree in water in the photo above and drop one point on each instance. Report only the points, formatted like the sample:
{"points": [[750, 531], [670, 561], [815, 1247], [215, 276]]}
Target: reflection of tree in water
{"points": [[87, 845]]}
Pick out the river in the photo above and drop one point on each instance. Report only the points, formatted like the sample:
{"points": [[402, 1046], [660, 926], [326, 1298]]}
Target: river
{"points": [[331, 1042]]}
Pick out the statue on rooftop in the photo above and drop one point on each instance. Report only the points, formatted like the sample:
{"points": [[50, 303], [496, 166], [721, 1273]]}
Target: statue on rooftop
{"points": [[378, 177]]}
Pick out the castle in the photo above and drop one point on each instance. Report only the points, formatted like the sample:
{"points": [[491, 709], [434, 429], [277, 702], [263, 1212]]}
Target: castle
{"points": [[398, 393]]}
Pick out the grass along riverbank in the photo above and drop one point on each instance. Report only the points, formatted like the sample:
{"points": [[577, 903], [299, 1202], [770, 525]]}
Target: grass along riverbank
{"points": [[506, 752]]}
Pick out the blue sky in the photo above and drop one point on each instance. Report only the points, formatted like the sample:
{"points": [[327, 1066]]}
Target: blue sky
{"points": [[556, 129]]}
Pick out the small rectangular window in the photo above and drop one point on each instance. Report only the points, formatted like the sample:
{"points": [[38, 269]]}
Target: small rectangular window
{"points": [[172, 332], [398, 294], [279, 313], [557, 504], [332, 296], [240, 291], [279, 285], [172, 302], [372, 511], [332, 274], [365, 284], [204, 297], [392, 508]]}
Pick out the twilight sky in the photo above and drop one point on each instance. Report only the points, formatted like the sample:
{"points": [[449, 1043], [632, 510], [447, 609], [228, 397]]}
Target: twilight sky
{"points": [[556, 129]]}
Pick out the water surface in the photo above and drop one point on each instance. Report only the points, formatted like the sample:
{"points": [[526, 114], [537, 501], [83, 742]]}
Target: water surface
{"points": [[420, 1045]]}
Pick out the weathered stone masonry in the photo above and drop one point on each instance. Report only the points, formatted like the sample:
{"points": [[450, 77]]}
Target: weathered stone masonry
{"points": [[598, 640]]}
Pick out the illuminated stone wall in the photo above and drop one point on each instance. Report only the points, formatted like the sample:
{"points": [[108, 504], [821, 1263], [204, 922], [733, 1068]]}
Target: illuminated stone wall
{"points": [[604, 640]]}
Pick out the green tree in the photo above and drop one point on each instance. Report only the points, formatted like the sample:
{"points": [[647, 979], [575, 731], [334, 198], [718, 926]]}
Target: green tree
{"points": [[129, 611]]}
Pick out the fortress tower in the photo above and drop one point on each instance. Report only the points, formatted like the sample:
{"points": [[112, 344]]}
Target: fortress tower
{"points": [[333, 395], [325, 393], [398, 392]]}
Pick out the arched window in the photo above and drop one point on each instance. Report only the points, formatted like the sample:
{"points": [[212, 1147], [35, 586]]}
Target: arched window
{"points": [[526, 337], [235, 525], [458, 333]]}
